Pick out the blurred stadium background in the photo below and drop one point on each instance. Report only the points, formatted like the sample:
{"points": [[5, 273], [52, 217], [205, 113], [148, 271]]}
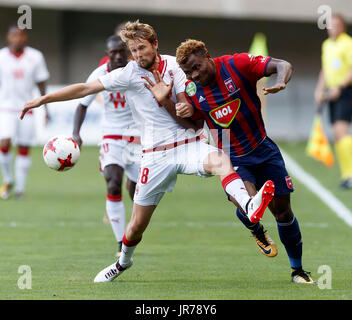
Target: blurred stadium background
{"points": [[72, 34]]}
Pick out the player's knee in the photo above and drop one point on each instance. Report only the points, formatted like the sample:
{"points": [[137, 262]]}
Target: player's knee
{"points": [[114, 186], [283, 214], [218, 163], [136, 228]]}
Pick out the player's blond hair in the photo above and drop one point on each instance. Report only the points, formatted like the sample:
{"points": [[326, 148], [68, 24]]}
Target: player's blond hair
{"points": [[137, 30], [188, 47]]}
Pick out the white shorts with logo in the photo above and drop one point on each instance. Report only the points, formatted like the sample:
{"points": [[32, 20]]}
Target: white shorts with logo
{"points": [[159, 170], [122, 153], [21, 132]]}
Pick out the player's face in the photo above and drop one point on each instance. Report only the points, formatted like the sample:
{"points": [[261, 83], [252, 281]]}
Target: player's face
{"points": [[337, 27], [16, 39], [199, 69], [118, 54], [143, 52]]}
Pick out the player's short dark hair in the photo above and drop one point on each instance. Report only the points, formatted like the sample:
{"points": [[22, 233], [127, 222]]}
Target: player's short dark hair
{"points": [[188, 47], [113, 38]]}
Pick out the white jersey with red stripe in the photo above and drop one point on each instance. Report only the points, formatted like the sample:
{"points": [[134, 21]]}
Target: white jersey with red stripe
{"points": [[156, 125], [19, 75], [117, 118]]}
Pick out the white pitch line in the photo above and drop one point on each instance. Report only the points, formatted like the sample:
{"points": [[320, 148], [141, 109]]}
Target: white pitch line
{"points": [[316, 187]]}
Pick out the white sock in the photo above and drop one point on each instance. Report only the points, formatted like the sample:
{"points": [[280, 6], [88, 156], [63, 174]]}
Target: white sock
{"points": [[127, 251], [235, 187], [22, 165], [115, 210], [6, 166]]}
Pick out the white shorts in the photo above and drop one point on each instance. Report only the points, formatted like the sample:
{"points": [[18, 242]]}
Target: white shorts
{"points": [[21, 132], [159, 169], [124, 154]]}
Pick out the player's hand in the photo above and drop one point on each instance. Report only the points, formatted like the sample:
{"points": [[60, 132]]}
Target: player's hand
{"points": [[334, 93], [78, 139], [184, 110], [160, 90], [276, 88], [31, 105]]}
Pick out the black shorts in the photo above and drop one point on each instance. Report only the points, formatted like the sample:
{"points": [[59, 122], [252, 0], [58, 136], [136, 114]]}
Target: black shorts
{"points": [[341, 109]]}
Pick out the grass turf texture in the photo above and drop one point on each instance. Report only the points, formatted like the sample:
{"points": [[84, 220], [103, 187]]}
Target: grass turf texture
{"points": [[194, 248]]}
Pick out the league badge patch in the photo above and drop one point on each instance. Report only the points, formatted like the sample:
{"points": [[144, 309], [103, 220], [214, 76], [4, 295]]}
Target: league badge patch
{"points": [[289, 182], [230, 86], [191, 89]]}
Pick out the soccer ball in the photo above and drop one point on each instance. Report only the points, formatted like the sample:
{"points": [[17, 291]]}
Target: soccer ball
{"points": [[61, 153]]}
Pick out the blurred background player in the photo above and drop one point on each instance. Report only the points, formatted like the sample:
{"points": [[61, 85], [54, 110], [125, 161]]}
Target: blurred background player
{"points": [[22, 68], [117, 31], [120, 148], [224, 92], [336, 77]]}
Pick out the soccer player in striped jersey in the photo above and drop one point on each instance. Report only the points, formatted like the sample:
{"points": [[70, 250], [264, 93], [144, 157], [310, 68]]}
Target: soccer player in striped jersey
{"points": [[120, 149], [152, 84], [223, 91]]}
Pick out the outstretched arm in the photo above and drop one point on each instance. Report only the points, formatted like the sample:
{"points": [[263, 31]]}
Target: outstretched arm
{"points": [[73, 91], [283, 69]]}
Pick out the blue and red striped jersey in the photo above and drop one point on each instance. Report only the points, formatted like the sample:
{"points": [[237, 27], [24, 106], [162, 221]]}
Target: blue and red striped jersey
{"points": [[230, 104]]}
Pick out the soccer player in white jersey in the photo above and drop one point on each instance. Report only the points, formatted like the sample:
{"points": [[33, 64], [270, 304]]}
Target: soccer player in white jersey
{"points": [[168, 149], [120, 149], [22, 68]]}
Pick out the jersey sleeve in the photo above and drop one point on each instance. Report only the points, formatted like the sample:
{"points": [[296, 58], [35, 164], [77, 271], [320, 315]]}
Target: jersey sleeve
{"points": [[116, 80], [41, 72], [252, 67], [179, 80], [87, 100]]}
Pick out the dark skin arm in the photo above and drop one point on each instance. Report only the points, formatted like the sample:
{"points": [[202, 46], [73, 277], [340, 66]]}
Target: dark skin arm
{"points": [[283, 69], [42, 90], [80, 115]]}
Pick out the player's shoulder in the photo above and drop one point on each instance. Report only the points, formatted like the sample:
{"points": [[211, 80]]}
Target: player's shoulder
{"points": [[101, 70], [326, 43], [346, 39], [33, 52], [4, 51], [236, 59], [129, 68], [171, 60]]}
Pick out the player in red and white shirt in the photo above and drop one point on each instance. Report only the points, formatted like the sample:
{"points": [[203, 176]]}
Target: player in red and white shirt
{"points": [[168, 148], [120, 149], [22, 69]]}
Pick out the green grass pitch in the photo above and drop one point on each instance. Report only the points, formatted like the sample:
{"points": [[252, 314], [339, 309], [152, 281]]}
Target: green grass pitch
{"points": [[194, 248]]}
